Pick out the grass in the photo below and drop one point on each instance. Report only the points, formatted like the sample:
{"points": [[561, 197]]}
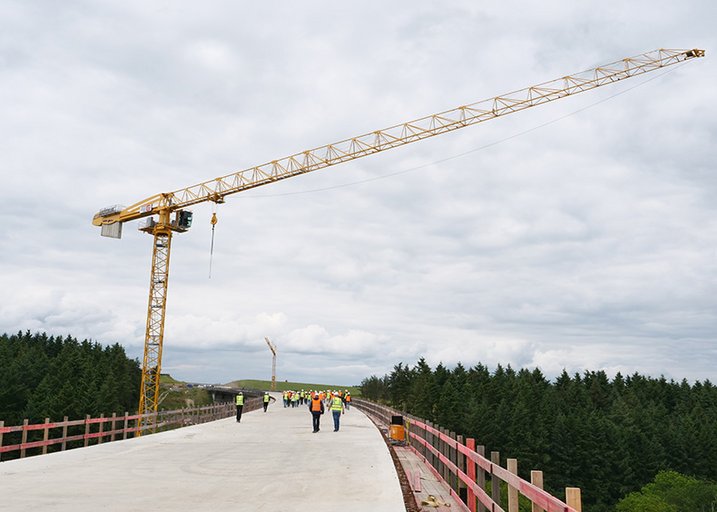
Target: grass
{"points": [[165, 378], [285, 386], [174, 394], [184, 397]]}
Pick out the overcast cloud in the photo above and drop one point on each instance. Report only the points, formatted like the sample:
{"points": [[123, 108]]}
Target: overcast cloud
{"points": [[578, 235]]}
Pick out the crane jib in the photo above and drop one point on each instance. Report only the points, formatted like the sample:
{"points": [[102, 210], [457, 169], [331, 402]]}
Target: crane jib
{"points": [[172, 218]]}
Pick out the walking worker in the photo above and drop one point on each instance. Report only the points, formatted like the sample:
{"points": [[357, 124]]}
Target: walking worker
{"points": [[347, 400], [267, 397], [337, 409], [316, 406], [240, 405]]}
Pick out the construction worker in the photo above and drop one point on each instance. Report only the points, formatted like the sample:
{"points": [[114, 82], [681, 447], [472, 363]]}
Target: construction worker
{"points": [[316, 406], [267, 397], [347, 400], [337, 409], [240, 405]]}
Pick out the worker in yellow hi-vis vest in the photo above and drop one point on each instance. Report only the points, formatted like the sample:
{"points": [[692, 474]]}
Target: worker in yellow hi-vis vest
{"points": [[240, 405], [267, 397], [337, 409]]}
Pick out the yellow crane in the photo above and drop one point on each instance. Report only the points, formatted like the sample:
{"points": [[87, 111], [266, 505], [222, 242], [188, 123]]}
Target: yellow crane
{"points": [[166, 213], [272, 347]]}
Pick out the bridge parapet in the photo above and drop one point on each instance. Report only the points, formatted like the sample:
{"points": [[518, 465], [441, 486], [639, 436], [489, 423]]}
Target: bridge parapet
{"points": [[462, 465], [39, 438]]}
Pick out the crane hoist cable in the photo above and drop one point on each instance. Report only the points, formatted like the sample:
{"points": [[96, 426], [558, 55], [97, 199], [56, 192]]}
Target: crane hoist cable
{"points": [[166, 213], [211, 247]]}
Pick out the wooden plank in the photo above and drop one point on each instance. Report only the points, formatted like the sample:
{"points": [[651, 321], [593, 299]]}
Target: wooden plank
{"points": [[87, 430], [536, 478], [426, 482], [64, 434], [24, 437], [573, 499], [45, 436], [494, 481], [480, 477], [512, 491]]}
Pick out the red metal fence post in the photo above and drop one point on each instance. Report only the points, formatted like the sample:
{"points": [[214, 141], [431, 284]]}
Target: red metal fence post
{"points": [[471, 472]]}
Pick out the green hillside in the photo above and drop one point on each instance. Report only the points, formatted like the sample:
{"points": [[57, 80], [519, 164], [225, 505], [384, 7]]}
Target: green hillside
{"points": [[285, 386]]}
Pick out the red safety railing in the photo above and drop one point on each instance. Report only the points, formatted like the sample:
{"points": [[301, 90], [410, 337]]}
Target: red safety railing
{"points": [[68, 434], [462, 465]]}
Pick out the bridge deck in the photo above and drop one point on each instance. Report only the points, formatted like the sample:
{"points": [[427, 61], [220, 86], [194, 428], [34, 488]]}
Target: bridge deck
{"points": [[269, 462]]}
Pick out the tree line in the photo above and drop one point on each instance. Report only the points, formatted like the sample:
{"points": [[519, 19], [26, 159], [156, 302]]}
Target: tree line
{"points": [[610, 437], [45, 376]]}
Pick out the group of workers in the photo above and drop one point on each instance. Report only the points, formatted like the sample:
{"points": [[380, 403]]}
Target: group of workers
{"points": [[337, 402], [298, 398]]}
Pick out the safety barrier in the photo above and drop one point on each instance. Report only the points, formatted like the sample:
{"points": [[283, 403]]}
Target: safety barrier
{"points": [[472, 478], [36, 439]]}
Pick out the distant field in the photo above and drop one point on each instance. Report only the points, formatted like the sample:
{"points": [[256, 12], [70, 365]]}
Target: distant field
{"points": [[284, 386]]}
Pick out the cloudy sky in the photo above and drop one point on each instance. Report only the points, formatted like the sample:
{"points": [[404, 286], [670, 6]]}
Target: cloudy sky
{"points": [[578, 235]]}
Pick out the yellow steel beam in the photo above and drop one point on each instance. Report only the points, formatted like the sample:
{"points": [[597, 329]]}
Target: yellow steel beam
{"points": [[380, 140]]}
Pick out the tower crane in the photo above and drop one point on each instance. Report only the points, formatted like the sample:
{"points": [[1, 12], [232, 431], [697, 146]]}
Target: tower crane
{"points": [[272, 347], [166, 213]]}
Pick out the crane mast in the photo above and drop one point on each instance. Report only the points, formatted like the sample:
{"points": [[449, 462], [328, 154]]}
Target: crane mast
{"points": [[169, 208], [272, 347]]}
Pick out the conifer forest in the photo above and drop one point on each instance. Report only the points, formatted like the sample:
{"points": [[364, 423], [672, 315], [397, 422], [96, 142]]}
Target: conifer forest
{"points": [[610, 437], [52, 376]]}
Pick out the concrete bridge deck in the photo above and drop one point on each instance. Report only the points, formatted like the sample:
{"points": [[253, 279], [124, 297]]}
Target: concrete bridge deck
{"points": [[269, 462]]}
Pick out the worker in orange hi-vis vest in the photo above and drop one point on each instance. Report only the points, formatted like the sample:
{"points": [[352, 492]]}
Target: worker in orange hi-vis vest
{"points": [[347, 400], [316, 406]]}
